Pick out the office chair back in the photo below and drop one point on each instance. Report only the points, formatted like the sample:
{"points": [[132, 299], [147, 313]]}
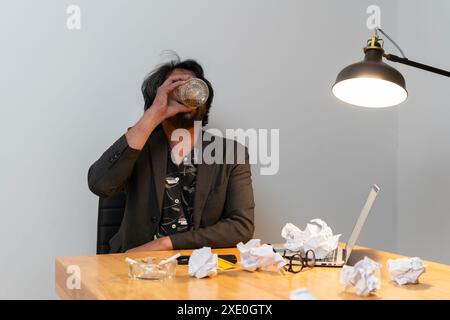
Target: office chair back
{"points": [[110, 214]]}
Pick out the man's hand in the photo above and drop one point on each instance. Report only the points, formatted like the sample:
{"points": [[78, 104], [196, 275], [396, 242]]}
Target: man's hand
{"points": [[159, 244], [163, 107]]}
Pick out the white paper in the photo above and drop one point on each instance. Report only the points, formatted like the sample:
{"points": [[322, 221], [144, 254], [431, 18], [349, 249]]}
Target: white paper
{"points": [[363, 276], [302, 294], [406, 270], [317, 236], [255, 256], [203, 263]]}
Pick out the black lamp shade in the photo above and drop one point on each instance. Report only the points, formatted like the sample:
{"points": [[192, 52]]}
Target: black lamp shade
{"points": [[370, 83]]}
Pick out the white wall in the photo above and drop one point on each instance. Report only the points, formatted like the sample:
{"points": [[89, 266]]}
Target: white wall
{"points": [[424, 132], [67, 95]]}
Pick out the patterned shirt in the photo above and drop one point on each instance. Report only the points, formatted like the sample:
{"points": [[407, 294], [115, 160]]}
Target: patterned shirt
{"points": [[178, 203]]}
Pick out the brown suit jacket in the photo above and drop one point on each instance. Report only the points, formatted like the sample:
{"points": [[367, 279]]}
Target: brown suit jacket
{"points": [[223, 202]]}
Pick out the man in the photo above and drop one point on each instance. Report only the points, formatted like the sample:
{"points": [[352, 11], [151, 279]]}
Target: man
{"points": [[172, 202]]}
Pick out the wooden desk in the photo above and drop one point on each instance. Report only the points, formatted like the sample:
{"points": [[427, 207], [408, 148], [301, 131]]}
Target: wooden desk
{"points": [[105, 277]]}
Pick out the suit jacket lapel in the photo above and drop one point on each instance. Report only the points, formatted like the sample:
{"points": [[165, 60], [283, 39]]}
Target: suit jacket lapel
{"points": [[158, 148], [205, 173]]}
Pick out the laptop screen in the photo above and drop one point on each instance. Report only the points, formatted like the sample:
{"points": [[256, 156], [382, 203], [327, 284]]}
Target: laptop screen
{"points": [[361, 220]]}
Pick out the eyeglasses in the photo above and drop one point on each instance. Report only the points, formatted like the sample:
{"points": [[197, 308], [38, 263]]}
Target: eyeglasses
{"points": [[298, 261]]}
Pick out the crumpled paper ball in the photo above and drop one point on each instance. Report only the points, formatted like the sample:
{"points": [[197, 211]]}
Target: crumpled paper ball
{"points": [[317, 236], [406, 270], [255, 256], [363, 276], [203, 263], [302, 294]]}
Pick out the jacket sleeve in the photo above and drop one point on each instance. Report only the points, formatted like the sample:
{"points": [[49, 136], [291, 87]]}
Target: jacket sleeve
{"points": [[107, 175], [237, 222]]}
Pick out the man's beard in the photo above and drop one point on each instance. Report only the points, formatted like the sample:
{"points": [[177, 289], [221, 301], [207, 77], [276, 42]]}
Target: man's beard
{"points": [[186, 120]]}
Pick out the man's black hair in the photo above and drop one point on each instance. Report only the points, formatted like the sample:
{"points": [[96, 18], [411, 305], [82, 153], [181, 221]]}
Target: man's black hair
{"points": [[160, 74]]}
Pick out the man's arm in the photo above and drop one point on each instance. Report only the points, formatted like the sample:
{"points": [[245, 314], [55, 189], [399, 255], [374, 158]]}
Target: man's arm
{"points": [[107, 176], [238, 222]]}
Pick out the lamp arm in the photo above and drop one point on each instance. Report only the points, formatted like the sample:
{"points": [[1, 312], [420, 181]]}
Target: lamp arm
{"points": [[394, 58], [391, 40], [403, 59]]}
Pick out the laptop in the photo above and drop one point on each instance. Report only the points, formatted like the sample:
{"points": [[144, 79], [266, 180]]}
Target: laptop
{"points": [[340, 256]]}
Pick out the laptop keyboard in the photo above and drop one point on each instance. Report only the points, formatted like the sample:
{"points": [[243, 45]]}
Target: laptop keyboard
{"points": [[331, 257]]}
